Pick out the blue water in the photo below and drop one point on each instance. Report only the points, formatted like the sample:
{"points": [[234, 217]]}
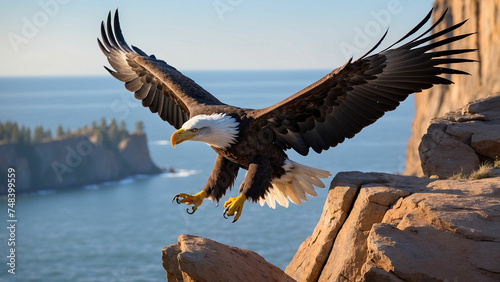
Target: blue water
{"points": [[115, 231]]}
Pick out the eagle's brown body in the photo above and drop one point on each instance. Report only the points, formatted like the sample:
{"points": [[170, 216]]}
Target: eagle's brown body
{"points": [[252, 143]]}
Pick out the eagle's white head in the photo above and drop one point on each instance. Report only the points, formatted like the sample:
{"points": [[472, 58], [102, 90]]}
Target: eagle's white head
{"points": [[218, 130]]}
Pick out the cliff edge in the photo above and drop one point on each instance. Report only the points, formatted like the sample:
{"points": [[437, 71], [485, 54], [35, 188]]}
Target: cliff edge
{"points": [[484, 79], [374, 227], [382, 227]]}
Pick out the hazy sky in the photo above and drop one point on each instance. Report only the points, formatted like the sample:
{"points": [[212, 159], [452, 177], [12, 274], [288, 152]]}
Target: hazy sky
{"points": [[58, 37]]}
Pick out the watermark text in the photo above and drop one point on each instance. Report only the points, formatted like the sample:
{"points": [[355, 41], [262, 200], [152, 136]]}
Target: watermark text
{"points": [[12, 220]]}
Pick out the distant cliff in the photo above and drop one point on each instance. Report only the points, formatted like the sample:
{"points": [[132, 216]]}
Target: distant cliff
{"points": [[76, 160], [485, 20]]}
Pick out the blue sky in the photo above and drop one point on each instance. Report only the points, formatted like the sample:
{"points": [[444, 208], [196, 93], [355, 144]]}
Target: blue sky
{"points": [[58, 37]]}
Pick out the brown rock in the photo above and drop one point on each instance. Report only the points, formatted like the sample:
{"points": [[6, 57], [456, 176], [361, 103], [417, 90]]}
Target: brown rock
{"points": [[199, 259], [374, 227], [484, 78], [349, 255], [487, 143], [451, 232], [355, 201], [373, 273], [401, 228], [170, 264], [483, 107], [456, 144], [446, 157], [319, 245]]}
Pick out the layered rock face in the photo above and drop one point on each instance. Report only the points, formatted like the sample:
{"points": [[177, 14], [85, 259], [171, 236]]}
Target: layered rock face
{"points": [[461, 140], [485, 20], [382, 227], [374, 227]]}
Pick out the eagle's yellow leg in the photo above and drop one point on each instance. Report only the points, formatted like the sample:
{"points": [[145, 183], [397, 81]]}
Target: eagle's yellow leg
{"points": [[234, 206], [195, 200]]}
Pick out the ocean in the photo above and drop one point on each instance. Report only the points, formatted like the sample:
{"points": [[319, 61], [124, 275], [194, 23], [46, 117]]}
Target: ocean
{"points": [[115, 231]]}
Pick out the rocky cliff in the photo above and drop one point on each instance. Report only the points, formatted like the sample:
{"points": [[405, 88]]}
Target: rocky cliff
{"points": [[75, 161], [382, 227], [485, 20], [374, 227], [460, 141]]}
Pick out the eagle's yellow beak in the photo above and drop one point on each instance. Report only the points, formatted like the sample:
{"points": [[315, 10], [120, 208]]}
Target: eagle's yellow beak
{"points": [[180, 136]]}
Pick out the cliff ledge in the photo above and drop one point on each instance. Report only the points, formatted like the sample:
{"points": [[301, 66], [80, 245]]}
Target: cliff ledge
{"points": [[374, 227]]}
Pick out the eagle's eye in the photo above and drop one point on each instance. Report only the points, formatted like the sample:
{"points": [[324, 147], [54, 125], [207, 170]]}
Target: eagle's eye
{"points": [[194, 130]]}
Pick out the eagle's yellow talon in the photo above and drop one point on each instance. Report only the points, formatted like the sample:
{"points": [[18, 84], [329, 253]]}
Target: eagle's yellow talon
{"points": [[194, 200], [234, 206]]}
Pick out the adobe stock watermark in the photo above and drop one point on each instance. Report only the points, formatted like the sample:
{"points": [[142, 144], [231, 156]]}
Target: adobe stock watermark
{"points": [[74, 156], [119, 274], [364, 37], [31, 26], [222, 7], [123, 105]]}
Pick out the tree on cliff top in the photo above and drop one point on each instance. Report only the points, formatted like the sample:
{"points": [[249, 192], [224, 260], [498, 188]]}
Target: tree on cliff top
{"points": [[59, 131], [11, 132], [38, 134], [112, 129], [139, 126]]}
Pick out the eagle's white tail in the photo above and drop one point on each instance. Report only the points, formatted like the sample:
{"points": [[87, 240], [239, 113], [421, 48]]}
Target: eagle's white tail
{"points": [[294, 184]]}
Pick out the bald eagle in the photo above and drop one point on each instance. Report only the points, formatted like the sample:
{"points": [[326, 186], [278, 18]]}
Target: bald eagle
{"points": [[318, 117]]}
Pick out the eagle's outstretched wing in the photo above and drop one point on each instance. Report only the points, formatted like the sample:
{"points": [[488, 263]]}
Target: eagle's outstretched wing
{"points": [[160, 86], [357, 94]]}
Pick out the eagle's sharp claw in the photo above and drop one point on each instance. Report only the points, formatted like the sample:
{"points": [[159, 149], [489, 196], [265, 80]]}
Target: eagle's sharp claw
{"points": [[176, 198], [194, 200], [234, 207]]}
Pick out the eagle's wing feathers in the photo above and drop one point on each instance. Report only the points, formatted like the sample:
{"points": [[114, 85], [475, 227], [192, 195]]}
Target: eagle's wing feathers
{"points": [[158, 85], [355, 95]]}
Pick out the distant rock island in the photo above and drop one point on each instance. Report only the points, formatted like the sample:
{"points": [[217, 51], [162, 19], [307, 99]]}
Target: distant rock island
{"points": [[87, 156]]}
